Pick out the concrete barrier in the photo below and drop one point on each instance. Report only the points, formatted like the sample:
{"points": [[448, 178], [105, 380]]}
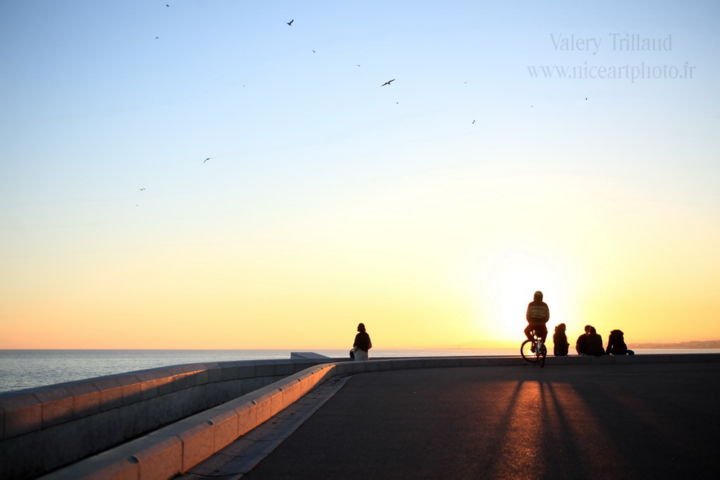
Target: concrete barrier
{"points": [[309, 355], [90, 416], [177, 447]]}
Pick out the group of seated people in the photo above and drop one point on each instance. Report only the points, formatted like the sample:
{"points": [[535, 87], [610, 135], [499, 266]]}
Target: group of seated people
{"points": [[590, 343]]}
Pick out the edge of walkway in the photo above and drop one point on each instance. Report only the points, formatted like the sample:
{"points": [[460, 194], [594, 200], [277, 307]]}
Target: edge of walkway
{"points": [[241, 456], [178, 447]]}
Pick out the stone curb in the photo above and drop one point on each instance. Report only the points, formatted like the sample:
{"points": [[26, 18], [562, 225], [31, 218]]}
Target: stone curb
{"points": [[33, 409], [180, 446], [90, 416]]}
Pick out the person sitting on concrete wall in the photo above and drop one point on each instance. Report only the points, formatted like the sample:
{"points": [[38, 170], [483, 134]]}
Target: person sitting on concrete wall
{"points": [[581, 343], [594, 343], [560, 343], [362, 343], [616, 344]]}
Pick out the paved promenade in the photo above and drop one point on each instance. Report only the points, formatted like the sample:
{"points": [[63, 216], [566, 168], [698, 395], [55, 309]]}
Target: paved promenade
{"points": [[585, 421]]}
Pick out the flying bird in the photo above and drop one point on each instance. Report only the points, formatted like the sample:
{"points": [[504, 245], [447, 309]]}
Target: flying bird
{"points": [[388, 82], [142, 189], [313, 51], [473, 122], [207, 159], [290, 22], [157, 38]]}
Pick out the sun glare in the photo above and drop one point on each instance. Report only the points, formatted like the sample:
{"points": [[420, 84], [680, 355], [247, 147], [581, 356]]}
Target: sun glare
{"points": [[508, 286]]}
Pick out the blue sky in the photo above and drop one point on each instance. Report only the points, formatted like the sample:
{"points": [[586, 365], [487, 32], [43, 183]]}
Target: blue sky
{"points": [[95, 107], [231, 80]]}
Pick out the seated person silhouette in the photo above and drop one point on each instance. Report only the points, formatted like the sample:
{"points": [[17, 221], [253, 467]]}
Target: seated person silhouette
{"points": [[560, 343], [537, 316], [581, 343], [362, 344], [594, 343], [616, 344]]}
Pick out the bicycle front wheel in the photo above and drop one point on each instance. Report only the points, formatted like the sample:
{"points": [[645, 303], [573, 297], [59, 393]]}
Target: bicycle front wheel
{"points": [[527, 353]]}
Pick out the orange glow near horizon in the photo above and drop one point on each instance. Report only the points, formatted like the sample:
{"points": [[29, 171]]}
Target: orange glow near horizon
{"points": [[436, 280]]}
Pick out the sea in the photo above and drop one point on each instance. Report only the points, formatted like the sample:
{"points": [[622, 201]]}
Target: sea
{"points": [[20, 369]]}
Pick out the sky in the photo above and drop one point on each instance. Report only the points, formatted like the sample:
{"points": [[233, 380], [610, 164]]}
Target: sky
{"points": [[569, 147]]}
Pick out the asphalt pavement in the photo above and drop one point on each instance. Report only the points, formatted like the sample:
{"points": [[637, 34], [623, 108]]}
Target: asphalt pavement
{"points": [[651, 421]]}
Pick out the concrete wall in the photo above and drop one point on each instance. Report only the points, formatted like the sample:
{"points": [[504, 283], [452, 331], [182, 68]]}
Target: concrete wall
{"points": [[178, 447], [43, 429]]}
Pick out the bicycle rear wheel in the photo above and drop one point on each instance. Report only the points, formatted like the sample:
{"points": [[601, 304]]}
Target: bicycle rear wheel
{"points": [[543, 354], [526, 352]]}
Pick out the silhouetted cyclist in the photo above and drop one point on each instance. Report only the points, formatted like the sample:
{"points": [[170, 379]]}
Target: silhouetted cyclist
{"points": [[537, 316]]}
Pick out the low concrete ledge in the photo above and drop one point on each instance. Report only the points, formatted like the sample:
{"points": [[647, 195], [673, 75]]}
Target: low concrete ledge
{"points": [[178, 447], [308, 355], [90, 416]]}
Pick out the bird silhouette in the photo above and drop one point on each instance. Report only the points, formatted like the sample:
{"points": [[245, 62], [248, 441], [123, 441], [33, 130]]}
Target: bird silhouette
{"points": [[290, 22], [313, 51], [157, 38], [388, 82], [207, 159], [473, 122], [142, 189], [357, 65]]}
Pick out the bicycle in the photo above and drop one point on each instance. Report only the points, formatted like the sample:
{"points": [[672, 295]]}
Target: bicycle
{"points": [[534, 355]]}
